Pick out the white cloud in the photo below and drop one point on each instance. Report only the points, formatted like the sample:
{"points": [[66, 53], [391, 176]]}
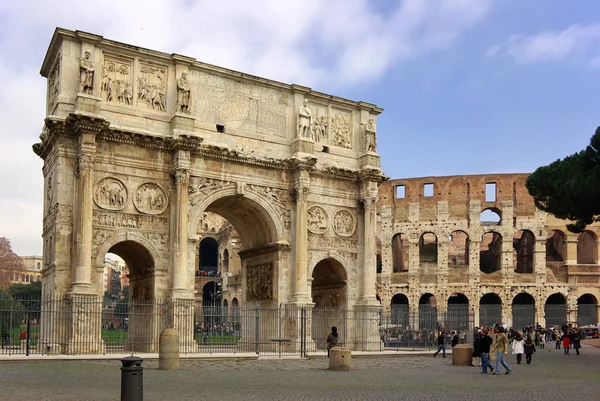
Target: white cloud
{"points": [[323, 44], [580, 43]]}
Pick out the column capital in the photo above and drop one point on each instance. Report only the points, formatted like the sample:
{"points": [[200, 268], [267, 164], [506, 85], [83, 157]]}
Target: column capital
{"points": [[181, 176]]}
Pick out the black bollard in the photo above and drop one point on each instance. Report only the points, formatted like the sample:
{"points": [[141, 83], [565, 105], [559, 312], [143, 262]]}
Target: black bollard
{"points": [[132, 379]]}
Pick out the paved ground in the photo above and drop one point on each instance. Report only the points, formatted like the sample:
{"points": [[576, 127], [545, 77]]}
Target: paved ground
{"points": [[552, 376]]}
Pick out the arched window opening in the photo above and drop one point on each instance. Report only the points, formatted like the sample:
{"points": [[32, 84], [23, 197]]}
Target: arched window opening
{"points": [[225, 261], [586, 248], [209, 257], [458, 249], [458, 312], [490, 253], [428, 319], [523, 245], [428, 252], [556, 310], [523, 311], [379, 263], [587, 310], [490, 217], [400, 253], [399, 309], [555, 246], [490, 309]]}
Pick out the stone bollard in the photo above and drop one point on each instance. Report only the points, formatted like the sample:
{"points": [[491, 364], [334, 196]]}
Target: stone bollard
{"points": [[168, 352], [340, 359], [462, 355]]}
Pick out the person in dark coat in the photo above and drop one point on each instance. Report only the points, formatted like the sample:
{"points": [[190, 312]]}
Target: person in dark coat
{"points": [[485, 344], [332, 339], [441, 346], [476, 342], [454, 339], [576, 337], [529, 348]]}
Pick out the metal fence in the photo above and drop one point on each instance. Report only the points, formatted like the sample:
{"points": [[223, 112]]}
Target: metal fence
{"points": [[88, 325]]}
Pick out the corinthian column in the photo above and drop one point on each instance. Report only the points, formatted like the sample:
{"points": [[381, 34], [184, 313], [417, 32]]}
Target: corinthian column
{"points": [[300, 294], [369, 270], [86, 129], [179, 242]]}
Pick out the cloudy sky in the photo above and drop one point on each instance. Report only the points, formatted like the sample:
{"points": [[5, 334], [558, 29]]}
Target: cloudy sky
{"points": [[468, 86]]}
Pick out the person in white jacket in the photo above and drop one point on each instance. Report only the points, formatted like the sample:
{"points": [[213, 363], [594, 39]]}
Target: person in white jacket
{"points": [[517, 347]]}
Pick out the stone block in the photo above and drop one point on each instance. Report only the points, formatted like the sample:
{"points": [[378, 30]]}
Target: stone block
{"points": [[168, 354], [462, 355], [340, 359]]}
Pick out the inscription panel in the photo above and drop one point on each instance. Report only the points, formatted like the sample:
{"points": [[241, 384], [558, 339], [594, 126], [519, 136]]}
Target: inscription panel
{"points": [[239, 104]]}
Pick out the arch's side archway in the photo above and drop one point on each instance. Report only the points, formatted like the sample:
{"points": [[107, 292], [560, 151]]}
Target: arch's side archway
{"points": [[329, 293]]}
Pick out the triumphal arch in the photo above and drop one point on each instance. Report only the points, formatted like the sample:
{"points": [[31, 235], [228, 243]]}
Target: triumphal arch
{"points": [[138, 145]]}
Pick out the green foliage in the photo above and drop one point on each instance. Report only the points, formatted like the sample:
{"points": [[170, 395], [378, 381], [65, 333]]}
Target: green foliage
{"points": [[26, 291], [570, 188], [12, 312]]}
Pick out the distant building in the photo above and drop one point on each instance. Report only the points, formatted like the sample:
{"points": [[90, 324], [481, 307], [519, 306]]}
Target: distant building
{"points": [[113, 270], [32, 271]]}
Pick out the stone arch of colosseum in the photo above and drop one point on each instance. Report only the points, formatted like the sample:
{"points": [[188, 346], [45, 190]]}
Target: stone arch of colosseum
{"points": [[139, 145]]}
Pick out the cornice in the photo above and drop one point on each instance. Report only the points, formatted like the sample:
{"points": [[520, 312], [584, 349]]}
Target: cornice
{"points": [[264, 249]]}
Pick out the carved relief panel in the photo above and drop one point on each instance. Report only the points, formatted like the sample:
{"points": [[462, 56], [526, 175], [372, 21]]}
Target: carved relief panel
{"points": [[320, 123], [344, 223], [110, 193], [116, 85], [280, 200], [152, 87], [150, 198], [341, 129], [54, 84], [259, 280], [318, 220]]}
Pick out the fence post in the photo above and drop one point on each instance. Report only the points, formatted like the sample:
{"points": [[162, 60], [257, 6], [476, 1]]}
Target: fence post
{"points": [[27, 337], [303, 331], [10, 321], [257, 331]]}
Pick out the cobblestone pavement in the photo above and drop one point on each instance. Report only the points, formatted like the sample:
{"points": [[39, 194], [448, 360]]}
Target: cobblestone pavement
{"points": [[551, 376]]}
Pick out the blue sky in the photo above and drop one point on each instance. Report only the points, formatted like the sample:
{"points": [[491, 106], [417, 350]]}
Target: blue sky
{"points": [[468, 86]]}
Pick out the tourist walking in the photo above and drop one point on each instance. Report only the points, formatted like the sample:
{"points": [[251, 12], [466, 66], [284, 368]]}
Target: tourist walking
{"points": [[557, 339], [517, 347], [566, 343], [441, 346], [529, 349], [501, 349], [484, 349], [476, 351], [332, 339]]}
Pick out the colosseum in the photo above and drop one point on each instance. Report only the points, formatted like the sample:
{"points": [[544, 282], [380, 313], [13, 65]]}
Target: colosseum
{"points": [[478, 244]]}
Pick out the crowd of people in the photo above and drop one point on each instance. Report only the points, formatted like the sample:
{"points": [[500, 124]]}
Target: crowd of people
{"points": [[495, 341], [397, 337]]}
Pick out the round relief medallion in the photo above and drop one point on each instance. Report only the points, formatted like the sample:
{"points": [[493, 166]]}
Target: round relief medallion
{"points": [[150, 198], [344, 223], [110, 194], [317, 220]]}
